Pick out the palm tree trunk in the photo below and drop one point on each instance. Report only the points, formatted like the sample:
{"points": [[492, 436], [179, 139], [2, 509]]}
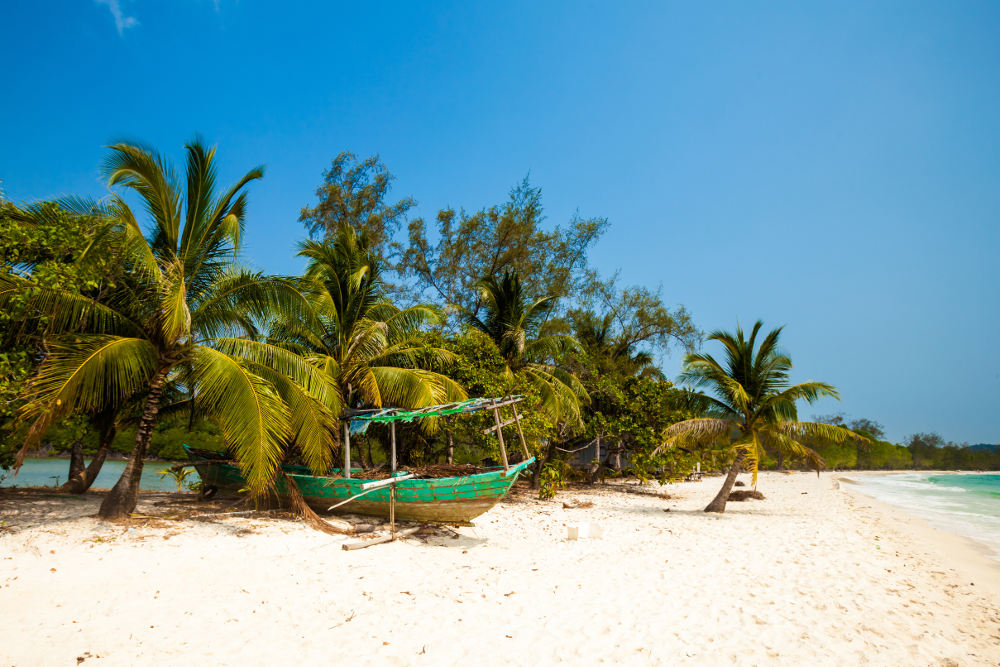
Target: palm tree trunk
{"points": [[76, 464], [121, 500], [108, 433], [718, 503], [84, 479]]}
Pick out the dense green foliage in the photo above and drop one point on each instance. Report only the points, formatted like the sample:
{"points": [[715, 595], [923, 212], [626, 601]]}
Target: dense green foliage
{"points": [[42, 244], [149, 336]]}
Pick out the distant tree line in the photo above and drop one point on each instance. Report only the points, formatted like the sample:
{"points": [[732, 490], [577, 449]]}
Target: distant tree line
{"points": [[921, 451]]}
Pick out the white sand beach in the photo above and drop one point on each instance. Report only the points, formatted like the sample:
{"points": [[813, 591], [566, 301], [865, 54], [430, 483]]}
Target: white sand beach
{"points": [[814, 574]]}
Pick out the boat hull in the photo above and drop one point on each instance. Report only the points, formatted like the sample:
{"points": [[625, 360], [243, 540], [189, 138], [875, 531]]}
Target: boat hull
{"points": [[453, 500]]}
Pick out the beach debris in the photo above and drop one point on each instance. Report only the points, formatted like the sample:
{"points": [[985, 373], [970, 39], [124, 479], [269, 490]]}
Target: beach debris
{"points": [[380, 539], [577, 504], [740, 496], [739, 483]]}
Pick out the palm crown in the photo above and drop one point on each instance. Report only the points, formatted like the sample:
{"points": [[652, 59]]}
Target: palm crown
{"points": [[752, 405], [513, 322], [368, 348], [185, 313]]}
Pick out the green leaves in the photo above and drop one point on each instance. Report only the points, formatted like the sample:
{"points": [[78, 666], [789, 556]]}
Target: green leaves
{"points": [[512, 324], [254, 420], [86, 374], [368, 347], [753, 406]]}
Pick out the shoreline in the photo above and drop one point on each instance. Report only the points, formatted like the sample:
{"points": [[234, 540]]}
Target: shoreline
{"points": [[974, 560]]}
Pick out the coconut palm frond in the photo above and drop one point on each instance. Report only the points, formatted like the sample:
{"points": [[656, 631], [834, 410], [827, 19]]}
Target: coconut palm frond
{"points": [[84, 374], [286, 363], [556, 398], [144, 171], [63, 310], [816, 431], [255, 422], [698, 433], [312, 422], [777, 438]]}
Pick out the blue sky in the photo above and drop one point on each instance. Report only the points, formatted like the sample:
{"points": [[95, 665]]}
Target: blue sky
{"points": [[832, 167]]}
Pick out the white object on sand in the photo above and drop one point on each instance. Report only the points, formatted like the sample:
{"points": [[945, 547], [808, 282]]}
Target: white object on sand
{"points": [[578, 531]]}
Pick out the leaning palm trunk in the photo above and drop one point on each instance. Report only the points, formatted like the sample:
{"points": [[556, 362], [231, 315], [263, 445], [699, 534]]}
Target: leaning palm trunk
{"points": [[122, 498], [718, 503], [84, 479]]}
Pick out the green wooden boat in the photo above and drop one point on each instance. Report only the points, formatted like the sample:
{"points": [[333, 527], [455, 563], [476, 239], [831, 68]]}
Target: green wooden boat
{"points": [[452, 500]]}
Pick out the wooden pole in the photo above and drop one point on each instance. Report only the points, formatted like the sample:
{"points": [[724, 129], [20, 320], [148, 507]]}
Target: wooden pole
{"points": [[347, 449], [520, 434], [392, 511], [451, 448], [392, 448], [503, 448], [392, 489]]}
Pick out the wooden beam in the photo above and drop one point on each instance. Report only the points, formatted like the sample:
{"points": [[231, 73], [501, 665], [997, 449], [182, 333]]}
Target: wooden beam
{"points": [[487, 431], [505, 402], [386, 482]]}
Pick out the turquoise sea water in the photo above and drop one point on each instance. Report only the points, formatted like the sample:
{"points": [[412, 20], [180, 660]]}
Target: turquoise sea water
{"points": [[53, 472], [967, 504]]}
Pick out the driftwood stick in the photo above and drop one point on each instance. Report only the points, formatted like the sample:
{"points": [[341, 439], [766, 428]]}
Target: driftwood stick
{"points": [[198, 516], [381, 539]]}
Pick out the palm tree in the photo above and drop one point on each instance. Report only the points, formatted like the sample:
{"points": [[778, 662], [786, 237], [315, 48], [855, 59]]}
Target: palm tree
{"points": [[752, 407], [513, 323], [185, 314], [610, 353], [368, 349]]}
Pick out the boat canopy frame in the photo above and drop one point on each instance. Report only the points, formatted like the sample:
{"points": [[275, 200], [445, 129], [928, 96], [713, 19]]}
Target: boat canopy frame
{"points": [[357, 421]]}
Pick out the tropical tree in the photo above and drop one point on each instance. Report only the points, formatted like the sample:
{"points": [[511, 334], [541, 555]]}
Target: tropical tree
{"points": [[751, 405], [479, 246], [42, 243], [185, 314], [514, 324], [368, 349], [356, 193]]}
